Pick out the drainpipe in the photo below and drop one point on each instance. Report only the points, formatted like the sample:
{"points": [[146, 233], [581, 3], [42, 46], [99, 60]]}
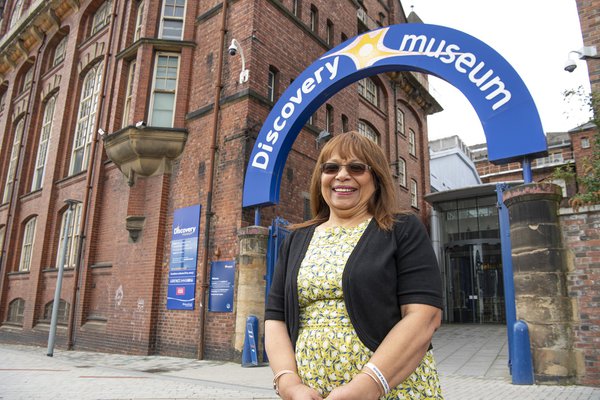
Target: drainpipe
{"points": [[88, 183], [211, 176], [395, 87], [12, 203]]}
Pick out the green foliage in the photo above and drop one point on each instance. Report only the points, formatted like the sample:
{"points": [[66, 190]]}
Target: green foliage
{"points": [[589, 176]]}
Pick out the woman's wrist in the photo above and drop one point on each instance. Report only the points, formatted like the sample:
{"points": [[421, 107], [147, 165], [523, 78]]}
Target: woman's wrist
{"points": [[286, 382], [369, 387]]}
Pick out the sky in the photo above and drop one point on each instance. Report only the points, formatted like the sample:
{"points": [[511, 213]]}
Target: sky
{"points": [[534, 36]]}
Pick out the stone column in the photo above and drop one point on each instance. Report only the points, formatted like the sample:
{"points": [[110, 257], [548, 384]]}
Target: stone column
{"points": [[252, 267], [539, 267]]}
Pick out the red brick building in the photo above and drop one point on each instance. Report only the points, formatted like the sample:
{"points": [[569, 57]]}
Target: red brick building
{"points": [[135, 109]]}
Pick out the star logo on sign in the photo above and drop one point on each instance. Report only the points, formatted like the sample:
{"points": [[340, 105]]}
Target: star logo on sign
{"points": [[367, 49]]}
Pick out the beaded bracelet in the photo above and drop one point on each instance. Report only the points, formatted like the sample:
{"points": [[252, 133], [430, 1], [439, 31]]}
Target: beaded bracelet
{"points": [[279, 375], [380, 376]]}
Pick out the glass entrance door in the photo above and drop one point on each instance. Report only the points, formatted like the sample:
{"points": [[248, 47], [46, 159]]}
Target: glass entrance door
{"points": [[475, 287]]}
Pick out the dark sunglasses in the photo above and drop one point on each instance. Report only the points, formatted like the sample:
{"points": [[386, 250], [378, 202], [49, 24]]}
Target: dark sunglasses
{"points": [[353, 168]]}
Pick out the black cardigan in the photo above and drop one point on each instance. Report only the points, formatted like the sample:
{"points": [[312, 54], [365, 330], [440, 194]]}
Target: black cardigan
{"points": [[385, 270]]}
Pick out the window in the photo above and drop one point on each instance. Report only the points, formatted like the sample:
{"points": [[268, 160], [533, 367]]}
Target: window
{"points": [[345, 124], [27, 246], [2, 231], [307, 212], [63, 312], [139, 21], [16, 14], [412, 145], [368, 90], [400, 121], [329, 118], [314, 18], [129, 93], [2, 101], [86, 117], [585, 143], [402, 172], [366, 130], [16, 311], [271, 84], [59, 52], [27, 79], [40, 163], [14, 158], [165, 89], [381, 19], [101, 18], [72, 237], [344, 37], [172, 19], [329, 33], [414, 201], [296, 8]]}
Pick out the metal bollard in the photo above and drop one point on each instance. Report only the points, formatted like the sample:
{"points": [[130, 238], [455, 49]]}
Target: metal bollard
{"points": [[522, 367]]}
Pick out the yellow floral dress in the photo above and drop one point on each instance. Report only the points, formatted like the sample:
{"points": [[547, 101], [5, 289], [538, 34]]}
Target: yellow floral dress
{"points": [[328, 351]]}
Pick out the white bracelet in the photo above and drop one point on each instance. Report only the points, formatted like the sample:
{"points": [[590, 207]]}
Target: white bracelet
{"points": [[379, 375]]}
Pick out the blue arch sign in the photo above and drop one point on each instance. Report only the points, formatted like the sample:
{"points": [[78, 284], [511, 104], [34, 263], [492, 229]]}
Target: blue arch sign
{"points": [[509, 117]]}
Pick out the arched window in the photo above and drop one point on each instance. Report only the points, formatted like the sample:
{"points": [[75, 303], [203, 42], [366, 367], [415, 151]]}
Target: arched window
{"points": [[27, 79], [139, 20], [368, 89], [27, 245], [63, 312], [2, 100], [72, 237], [59, 51], [16, 14], [272, 76], [40, 163], [366, 130], [12, 166], [86, 117], [400, 121], [402, 172], [16, 311], [2, 233], [101, 17], [414, 195], [412, 142]]}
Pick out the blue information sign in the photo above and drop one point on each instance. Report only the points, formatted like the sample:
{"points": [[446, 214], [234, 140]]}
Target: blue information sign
{"points": [[184, 255], [222, 277]]}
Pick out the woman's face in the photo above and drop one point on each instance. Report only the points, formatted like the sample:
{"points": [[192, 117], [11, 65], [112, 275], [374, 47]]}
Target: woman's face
{"points": [[346, 192]]}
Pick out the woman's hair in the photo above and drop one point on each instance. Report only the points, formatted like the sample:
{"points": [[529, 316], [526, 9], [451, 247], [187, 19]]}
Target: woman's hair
{"points": [[383, 205]]}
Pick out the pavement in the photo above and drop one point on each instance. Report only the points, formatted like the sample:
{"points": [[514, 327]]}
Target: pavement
{"points": [[471, 359]]}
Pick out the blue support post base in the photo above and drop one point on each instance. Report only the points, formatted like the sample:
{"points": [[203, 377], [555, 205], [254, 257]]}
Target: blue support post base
{"points": [[522, 366]]}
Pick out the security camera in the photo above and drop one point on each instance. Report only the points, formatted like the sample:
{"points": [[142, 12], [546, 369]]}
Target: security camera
{"points": [[140, 124], [570, 65], [232, 48]]}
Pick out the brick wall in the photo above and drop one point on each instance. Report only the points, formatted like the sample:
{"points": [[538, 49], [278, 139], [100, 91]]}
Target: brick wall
{"points": [[581, 235]]}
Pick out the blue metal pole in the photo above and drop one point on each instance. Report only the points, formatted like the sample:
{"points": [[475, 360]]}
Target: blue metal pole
{"points": [[507, 269], [257, 216], [527, 174]]}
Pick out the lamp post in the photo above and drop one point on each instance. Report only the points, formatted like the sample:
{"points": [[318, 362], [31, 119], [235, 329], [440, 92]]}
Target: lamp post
{"points": [[59, 277]]}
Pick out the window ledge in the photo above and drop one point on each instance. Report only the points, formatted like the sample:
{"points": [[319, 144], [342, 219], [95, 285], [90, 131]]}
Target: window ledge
{"points": [[145, 151]]}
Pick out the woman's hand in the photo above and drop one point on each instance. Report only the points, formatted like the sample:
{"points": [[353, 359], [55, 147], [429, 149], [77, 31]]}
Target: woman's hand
{"points": [[299, 391], [361, 387]]}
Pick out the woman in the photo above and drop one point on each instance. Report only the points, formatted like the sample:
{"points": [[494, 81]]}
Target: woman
{"points": [[356, 294]]}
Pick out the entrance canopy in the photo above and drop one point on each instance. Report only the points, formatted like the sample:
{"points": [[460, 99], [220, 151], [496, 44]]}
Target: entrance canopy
{"points": [[501, 100]]}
